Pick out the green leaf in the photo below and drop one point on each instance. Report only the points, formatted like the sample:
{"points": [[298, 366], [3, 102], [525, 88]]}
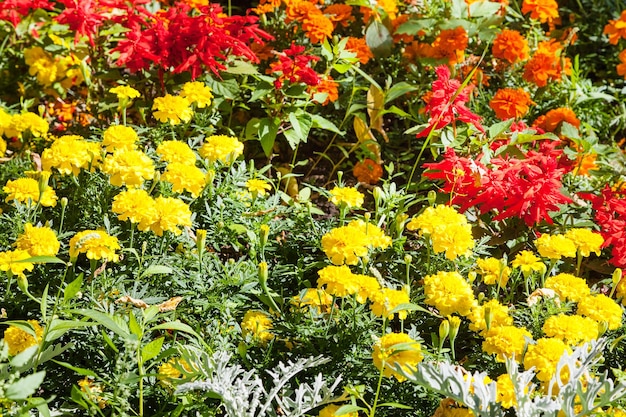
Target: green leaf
{"points": [[484, 9], [79, 371], [569, 131], [323, 123], [398, 90], [342, 68], [396, 405], [241, 67], [134, 326], [409, 307], [176, 325], [379, 39], [499, 128], [154, 270], [120, 328], [72, 288], [43, 304], [59, 327], [42, 260], [24, 387], [268, 129], [413, 27], [348, 408], [152, 349], [301, 123]]}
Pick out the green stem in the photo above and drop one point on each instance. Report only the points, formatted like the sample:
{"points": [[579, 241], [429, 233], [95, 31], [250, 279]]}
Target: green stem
{"points": [[380, 382]]}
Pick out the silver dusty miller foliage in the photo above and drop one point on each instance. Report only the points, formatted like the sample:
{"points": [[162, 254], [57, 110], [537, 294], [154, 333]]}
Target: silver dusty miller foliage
{"points": [[583, 387], [244, 394]]}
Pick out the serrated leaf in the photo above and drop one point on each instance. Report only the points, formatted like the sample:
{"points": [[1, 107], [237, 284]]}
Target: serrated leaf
{"points": [[484, 8], [152, 349], [72, 288], [59, 327], [569, 131], [413, 27], [24, 387], [301, 124], [134, 326]]}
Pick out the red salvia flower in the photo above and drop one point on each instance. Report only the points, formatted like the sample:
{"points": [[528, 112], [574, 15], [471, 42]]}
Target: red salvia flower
{"points": [[447, 103], [293, 66], [82, 16], [13, 10]]}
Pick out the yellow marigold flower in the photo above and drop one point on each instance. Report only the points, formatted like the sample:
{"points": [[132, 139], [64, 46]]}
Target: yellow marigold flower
{"points": [[125, 92], [96, 244], [258, 187], [5, 122], [498, 316], [172, 369], [450, 408], [3, 146], [171, 213], [41, 64], [528, 263], [172, 109], [314, 298], [128, 167], [449, 293], [93, 391], [135, 205], [176, 151], [24, 190], [69, 154], [542, 10], [346, 244], [337, 280], [505, 342], [387, 299], [119, 137], [493, 271], [555, 246], [601, 308], [368, 287], [38, 241], [258, 325], [585, 241], [395, 349], [185, 178], [10, 262], [28, 122], [331, 410], [347, 196], [505, 393], [567, 286], [221, 148], [197, 92], [544, 356], [573, 330], [447, 229], [18, 340]]}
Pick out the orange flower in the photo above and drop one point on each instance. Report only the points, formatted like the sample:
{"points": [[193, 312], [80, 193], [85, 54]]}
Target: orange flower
{"points": [[616, 29], [450, 44], [266, 6], [390, 7], [545, 65], [360, 48], [510, 103], [339, 14], [330, 87], [299, 10], [511, 46], [621, 68], [367, 171], [542, 10], [317, 27], [554, 118], [416, 50], [585, 163]]}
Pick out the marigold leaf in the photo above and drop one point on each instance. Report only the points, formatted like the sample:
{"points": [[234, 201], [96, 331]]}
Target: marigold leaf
{"points": [[24, 387], [152, 349]]}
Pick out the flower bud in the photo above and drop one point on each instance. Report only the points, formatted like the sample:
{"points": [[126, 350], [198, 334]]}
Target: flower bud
{"points": [[455, 323], [444, 331], [617, 276], [488, 316], [263, 273], [264, 233], [432, 197]]}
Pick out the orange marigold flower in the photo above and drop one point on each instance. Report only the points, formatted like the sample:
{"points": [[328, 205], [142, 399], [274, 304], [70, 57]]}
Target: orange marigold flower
{"points": [[367, 171], [330, 87], [511, 46], [541, 68], [554, 118], [360, 48], [621, 68], [450, 44], [317, 27], [510, 103], [542, 10], [585, 163], [299, 10], [266, 6], [339, 14], [616, 29], [416, 50]]}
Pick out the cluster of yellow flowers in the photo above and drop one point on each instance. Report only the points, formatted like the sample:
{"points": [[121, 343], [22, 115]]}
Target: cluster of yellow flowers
{"points": [[16, 125], [448, 230], [48, 70], [568, 245], [257, 325], [347, 244], [174, 109], [18, 340]]}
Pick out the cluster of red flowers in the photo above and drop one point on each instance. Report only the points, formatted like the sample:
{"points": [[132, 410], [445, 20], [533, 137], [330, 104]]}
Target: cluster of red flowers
{"points": [[610, 214], [446, 104], [293, 66], [528, 188], [180, 38]]}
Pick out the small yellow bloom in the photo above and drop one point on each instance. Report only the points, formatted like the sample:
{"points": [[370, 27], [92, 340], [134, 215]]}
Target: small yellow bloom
{"points": [[346, 196], [585, 241], [225, 149], [38, 241], [555, 246], [124, 92], [258, 187], [331, 410], [395, 349], [197, 92], [258, 325], [528, 263], [96, 244], [19, 340], [172, 109]]}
